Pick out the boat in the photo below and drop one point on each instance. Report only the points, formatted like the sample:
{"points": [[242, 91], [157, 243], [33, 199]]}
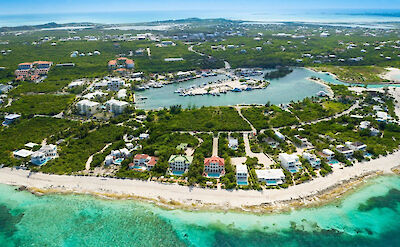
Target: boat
{"points": [[236, 90]]}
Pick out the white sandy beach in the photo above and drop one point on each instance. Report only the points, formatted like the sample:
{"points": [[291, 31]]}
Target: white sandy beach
{"points": [[188, 196], [392, 74]]}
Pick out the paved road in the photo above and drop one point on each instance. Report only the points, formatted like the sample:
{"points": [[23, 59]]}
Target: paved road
{"points": [[215, 146]]}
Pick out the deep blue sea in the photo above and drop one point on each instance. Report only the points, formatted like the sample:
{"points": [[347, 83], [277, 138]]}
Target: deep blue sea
{"points": [[368, 217], [324, 16]]}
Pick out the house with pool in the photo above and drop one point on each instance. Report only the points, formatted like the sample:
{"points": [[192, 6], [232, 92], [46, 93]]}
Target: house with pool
{"points": [[143, 162], [214, 167], [117, 156], [44, 154], [178, 164], [241, 174], [271, 176], [290, 162], [314, 161]]}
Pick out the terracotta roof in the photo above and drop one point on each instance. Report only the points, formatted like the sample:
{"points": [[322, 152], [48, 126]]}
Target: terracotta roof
{"points": [[152, 161], [129, 61], [24, 64], [112, 62], [141, 156], [42, 62], [214, 159]]}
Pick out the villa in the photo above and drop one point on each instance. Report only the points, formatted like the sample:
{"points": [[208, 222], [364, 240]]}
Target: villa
{"points": [[116, 106], [44, 154], [178, 164], [346, 151], [214, 167], [279, 135], [271, 176], [270, 141], [290, 162], [32, 71], [328, 154], [87, 107], [241, 174], [121, 62], [117, 156], [303, 141], [233, 143], [10, 118], [143, 162], [356, 146], [312, 159]]}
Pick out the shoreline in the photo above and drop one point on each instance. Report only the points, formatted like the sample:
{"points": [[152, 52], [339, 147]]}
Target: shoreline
{"points": [[316, 192]]}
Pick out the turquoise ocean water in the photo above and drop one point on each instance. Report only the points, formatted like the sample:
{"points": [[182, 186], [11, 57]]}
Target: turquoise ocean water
{"points": [[368, 217]]}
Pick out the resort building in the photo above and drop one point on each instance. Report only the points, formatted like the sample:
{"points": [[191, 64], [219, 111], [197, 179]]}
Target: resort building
{"points": [[32, 71], [10, 118], [328, 154], [214, 167], [116, 106], [356, 146], [87, 107], [271, 176], [312, 159], [233, 143], [115, 84], [241, 174], [290, 162], [44, 154], [120, 63], [178, 164], [346, 151], [143, 161]]}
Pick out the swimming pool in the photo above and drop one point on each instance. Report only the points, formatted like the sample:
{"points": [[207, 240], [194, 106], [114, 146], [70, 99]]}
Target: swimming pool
{"points": [[118, 161], [242, 183], [214, 175], [178, 173]]}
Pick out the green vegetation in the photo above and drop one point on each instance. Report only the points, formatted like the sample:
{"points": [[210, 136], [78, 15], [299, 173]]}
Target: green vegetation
{"points": [[356, 74], [202, 119], [28, 130], [47, 104], [276, 74]]}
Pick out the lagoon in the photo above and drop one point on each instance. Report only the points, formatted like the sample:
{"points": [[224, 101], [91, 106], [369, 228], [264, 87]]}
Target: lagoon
{"points": [[293, 87]]}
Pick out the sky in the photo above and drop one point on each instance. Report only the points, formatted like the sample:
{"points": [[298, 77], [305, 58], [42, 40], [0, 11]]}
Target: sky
{"points": [[10, 7]]}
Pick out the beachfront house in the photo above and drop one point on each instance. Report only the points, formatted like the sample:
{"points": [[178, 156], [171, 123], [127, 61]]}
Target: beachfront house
{"points": [[346, 151], [214, 167], [87, 107], [44, 154], [22, 153], [312, 159], [328, 154], [117, 156], [356, 146], [143, 162], [233, 143], [290, 162], [241, 174], [178, 164], [271, 176]]}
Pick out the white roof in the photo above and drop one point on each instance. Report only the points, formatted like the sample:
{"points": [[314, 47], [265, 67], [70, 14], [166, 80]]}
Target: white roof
{"points": [[12, 116], [94, 94], [87, 103], [328, 152], [241, 169], [31, 144], [288, 157], [22, 153], [116, 102], [270, 174]]}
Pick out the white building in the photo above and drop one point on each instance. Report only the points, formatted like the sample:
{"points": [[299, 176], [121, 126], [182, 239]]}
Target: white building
{"points": [[290, 162], [356, 146], [180, 163], [314, 161], [279, 135], [329, 154], [346, 151], [241, 174], [271, 176], [144, 136], [23, 153], [87, 107], [122, 94], [44, 154], [116, 106], [233, 143], [115, 84]]}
